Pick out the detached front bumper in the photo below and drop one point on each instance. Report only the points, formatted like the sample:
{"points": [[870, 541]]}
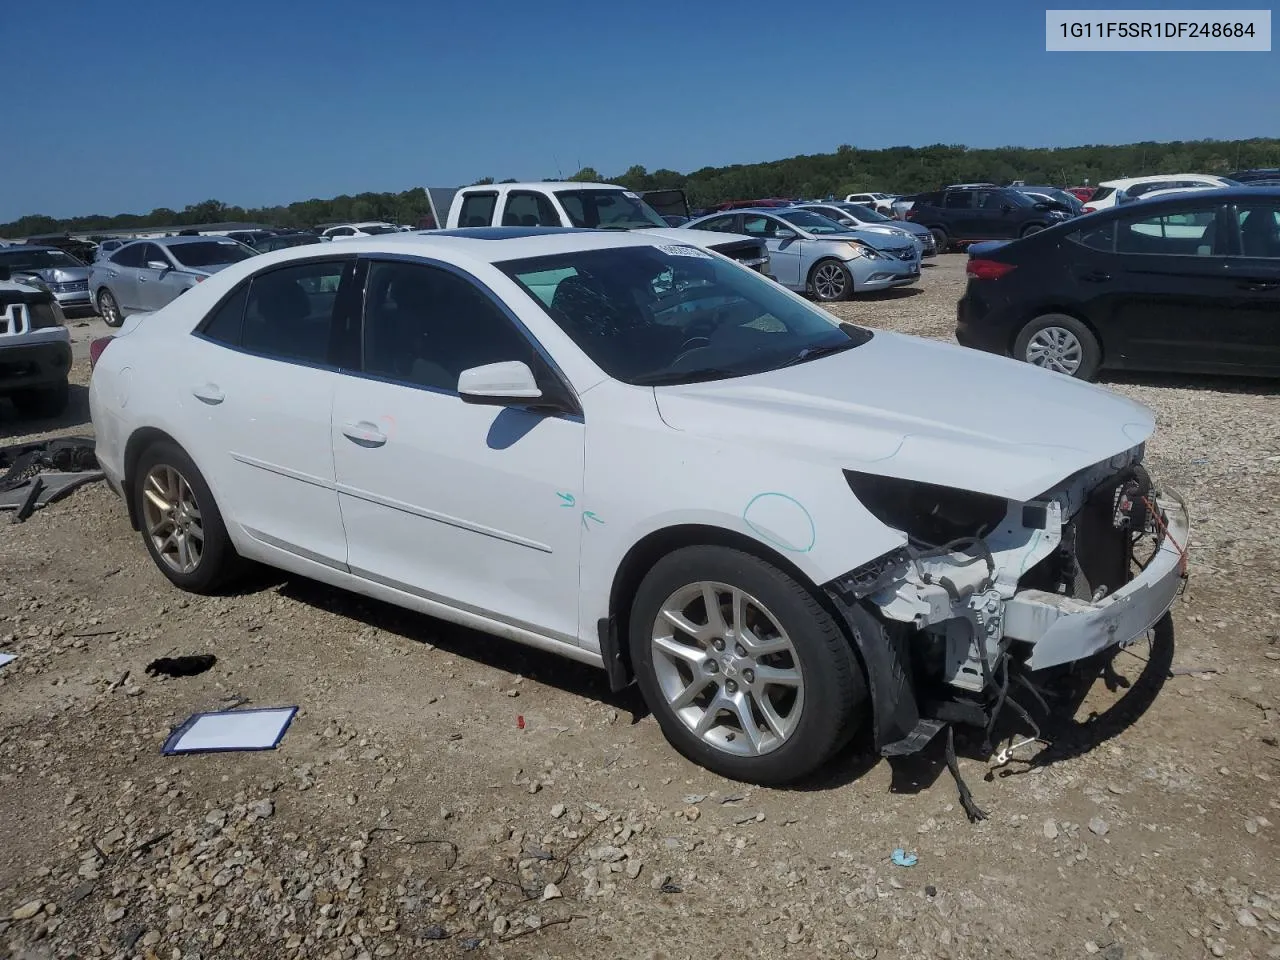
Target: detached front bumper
{"points": [[1064, 629]]}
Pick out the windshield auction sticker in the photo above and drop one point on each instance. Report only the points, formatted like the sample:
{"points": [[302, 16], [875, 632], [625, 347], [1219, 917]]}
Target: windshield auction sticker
{"points": [[1182, 31]]}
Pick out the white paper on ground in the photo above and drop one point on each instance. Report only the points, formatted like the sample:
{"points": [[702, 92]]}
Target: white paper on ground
{"points": [[6, 657], [231, 730]]}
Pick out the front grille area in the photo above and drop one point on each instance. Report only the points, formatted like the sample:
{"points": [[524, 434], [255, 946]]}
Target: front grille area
{"points": [[71, 286]]}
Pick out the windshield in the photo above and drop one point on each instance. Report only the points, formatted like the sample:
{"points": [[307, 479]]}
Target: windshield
{"points": [[37, 259], [814, 223], [865, 214], [675, 314], [209, 253], [609, 209]]}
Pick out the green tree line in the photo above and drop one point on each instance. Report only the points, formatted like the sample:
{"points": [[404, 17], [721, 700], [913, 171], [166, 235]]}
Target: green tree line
{"points": [[847, 170]]}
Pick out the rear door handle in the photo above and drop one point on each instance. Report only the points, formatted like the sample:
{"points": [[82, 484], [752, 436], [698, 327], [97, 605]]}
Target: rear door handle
{"points": [[1259, 286], [363, 433], [209, 393], [1095, 276]]}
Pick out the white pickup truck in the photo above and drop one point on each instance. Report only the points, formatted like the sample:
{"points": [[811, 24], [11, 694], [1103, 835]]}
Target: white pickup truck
{"points": [[601, 206]]}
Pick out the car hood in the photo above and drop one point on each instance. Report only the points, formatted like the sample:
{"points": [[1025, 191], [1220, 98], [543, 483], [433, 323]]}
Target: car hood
{"points": [[59, 274], [919, 410], [878, 239], [985, 247]]}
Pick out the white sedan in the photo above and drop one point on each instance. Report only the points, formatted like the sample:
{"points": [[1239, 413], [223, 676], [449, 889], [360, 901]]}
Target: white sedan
{"points": [[643, 456]]}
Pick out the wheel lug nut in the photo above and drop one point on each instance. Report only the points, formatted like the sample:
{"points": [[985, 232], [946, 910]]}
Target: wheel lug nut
{"points": [[749, 676], [739, 650], [712, 666], [718, 643], [731, 686]]}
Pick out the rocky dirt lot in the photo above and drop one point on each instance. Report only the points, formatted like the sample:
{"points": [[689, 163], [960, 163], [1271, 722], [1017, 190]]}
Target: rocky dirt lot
{"points": [[410, 812]]}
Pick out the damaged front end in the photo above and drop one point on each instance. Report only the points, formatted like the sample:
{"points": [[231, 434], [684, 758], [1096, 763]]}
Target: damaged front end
{"points": [[986, 587]]}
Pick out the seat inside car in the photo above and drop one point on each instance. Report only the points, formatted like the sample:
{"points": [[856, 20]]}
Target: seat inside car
{"points": [[1260, 234], [277, 320]]}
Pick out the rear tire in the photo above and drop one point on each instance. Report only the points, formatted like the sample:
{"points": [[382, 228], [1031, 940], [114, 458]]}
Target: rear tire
{"points": [[180, 522], [109, 309], [43, 402], [1059, 342], [1031, 228], [766, 623], [940, 239]]}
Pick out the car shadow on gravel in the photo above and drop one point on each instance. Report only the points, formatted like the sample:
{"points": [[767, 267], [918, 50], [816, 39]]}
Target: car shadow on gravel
{"points": [[76, 415], [572, 677], [1252, 386]]}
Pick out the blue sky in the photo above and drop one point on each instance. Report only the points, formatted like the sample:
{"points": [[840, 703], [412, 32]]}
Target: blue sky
{"points": [[124, 107]]}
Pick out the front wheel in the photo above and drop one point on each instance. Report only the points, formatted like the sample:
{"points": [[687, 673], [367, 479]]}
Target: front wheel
{"points": [[746, 673], [108, 309], [940, 239], [1060, 343], [831, 281], [1031, 228]]}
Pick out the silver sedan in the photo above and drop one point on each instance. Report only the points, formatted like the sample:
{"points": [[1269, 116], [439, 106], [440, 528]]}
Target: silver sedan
{"points": [[810, 253]]}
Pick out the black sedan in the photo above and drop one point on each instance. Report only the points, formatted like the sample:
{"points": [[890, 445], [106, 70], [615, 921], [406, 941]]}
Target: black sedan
{"points": [[1187, 283]]}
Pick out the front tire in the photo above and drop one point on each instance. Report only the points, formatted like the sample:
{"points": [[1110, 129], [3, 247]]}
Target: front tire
{"points": [[746, 673], [831, 281], [1031, 228], [1061, 343], [40, 403], [940, 239], [181, 526], [109, 309]]}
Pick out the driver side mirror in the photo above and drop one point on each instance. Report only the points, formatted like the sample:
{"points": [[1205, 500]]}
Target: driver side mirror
{"points": [[157, 265], [784, 234], [498, 383]]}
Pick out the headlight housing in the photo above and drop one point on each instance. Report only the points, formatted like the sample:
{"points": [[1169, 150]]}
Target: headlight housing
{"points": [[927, 512], [861, 249]]}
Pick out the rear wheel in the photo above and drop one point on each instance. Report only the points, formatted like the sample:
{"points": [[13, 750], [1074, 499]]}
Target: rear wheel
{"points": [[831, 281], [1031, 228], [1059, 342], [108, 309], [42, 402], [745, 672], [940, 239], [181, 526]]}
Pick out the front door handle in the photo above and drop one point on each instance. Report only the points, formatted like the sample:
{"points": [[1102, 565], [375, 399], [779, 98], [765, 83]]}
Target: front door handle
{"points": [[363, 433], [142, 279], [1259, 286], [209, 393], [1095, 276]]}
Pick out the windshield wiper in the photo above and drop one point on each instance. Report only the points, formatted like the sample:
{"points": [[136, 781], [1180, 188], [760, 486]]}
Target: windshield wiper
{"points": [[686, 376], [812, 353]]}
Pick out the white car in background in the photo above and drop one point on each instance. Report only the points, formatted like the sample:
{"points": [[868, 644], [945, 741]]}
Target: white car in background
{"points": [[880, 202], [628, 451], [366, 228], [1111, 192]]}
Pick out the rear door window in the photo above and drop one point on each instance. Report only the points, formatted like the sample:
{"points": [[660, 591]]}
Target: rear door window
{"points": [[958, 199], [526, 208], [477, 209], [130, 256], [1259, 229], [290, 311], [1191, 232]]}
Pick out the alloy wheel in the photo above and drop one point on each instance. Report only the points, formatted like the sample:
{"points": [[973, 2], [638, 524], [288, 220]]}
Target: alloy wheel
{"points": [[829, 281], [108, 309], [172, 518], [1055, 348], [727, 668]]}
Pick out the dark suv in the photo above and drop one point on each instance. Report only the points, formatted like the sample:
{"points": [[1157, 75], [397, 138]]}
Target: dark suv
{"points": [[968, 214]]}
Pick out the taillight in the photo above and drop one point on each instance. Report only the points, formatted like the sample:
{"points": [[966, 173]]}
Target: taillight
{"points": [[96, 347], [910, 214], [987, 269], [1089, 209]]}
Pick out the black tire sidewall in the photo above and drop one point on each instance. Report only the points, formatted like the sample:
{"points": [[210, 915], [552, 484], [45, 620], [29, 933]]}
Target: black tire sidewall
{"points": [[940, 239], [1091, 350], [835, 688], [219, 559], [848, 281]]}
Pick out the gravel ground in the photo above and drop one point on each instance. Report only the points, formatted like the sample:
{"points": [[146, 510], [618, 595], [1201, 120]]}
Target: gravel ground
{"points": [[443, 793]]}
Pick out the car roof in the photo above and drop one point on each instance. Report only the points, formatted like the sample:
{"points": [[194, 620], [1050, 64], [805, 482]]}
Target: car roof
{"points": [[484, 244], [178, 241], [28, 247], [1154, 178], [1218, 194], [544, 185]]}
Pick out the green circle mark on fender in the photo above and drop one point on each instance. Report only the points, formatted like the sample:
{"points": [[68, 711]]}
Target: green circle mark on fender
{"points": [[781, 520]]}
